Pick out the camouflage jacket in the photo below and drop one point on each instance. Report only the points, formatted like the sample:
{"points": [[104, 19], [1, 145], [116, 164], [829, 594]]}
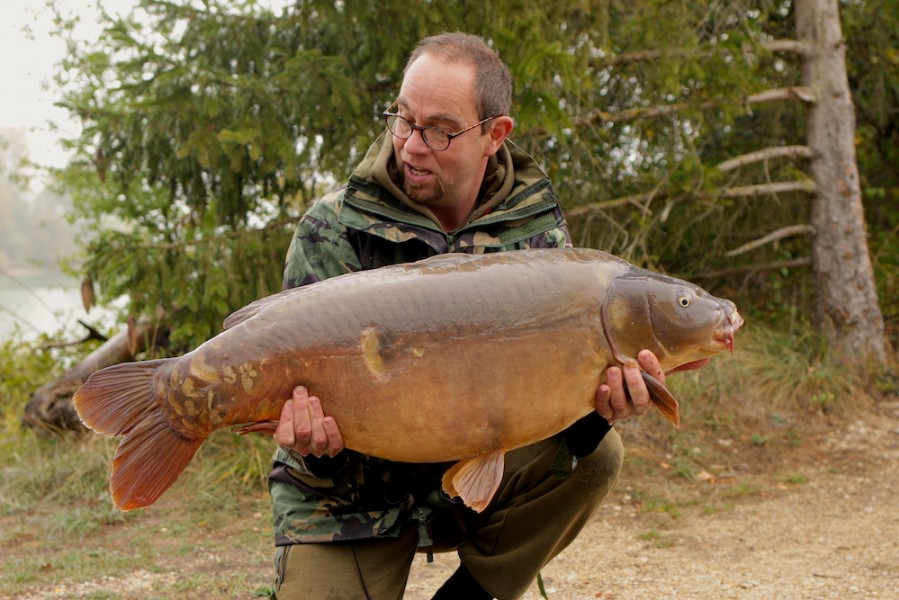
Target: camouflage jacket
{"points": [[367, 224]]}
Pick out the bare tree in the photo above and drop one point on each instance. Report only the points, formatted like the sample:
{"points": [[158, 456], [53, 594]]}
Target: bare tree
{"points": [[848, 307]]}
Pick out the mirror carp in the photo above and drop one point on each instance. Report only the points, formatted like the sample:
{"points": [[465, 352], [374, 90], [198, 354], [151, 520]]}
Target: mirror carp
{"points": [[453, 358]]}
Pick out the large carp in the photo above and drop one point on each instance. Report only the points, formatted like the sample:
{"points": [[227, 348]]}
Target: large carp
{"points": [[453, 358]]}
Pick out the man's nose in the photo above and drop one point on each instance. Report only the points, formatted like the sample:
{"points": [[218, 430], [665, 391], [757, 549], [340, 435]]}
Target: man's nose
{"points": [[415, 143]]}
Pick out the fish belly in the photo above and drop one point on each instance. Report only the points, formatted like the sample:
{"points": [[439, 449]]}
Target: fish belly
{"points": [[422, 363]]}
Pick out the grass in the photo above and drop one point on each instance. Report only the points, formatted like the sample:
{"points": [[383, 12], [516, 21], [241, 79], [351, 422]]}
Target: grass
{"points": [[59, 530]]}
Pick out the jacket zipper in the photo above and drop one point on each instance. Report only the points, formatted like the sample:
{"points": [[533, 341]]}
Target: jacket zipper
{"points": [[452, 237]]}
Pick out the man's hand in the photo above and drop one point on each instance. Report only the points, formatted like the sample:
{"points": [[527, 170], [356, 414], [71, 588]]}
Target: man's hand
{"points": [[624, 393], [305, 429]]}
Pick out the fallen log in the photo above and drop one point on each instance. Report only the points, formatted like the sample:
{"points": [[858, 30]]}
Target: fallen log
{"points": [[50, 407]]}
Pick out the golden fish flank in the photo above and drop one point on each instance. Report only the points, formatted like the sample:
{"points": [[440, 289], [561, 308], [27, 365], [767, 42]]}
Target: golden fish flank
{"points": [[371, 352], [188, 388], [201, 370], [228, 375], [217, 412], [247, 374], [414, 386]]}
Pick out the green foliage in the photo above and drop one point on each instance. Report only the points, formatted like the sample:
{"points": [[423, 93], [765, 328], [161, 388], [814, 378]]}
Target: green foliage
{"points": [[798, 371], [209, 126]]}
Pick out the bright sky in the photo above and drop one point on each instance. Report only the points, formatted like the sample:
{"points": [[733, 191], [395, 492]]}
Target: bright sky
{"points": [[30, 54]]}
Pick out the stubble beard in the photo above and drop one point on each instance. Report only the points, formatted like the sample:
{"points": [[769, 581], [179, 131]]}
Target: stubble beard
{"points": [[417, 193]]}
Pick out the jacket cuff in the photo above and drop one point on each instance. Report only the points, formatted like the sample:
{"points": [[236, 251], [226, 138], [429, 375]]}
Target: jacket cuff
{"points": [[584, 436]]}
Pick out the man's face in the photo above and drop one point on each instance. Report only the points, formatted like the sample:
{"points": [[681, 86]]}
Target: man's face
{"points": [[441, 93]]}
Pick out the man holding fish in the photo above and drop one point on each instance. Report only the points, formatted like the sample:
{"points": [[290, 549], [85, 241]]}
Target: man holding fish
{"points": [[443, 178]]}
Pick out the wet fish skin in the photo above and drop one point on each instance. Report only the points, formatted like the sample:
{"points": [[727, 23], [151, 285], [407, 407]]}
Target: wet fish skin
{"points": [[446, 359]]}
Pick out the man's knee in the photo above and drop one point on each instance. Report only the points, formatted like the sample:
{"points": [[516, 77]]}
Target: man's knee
{"points": [[597, 473], [375, 568]]}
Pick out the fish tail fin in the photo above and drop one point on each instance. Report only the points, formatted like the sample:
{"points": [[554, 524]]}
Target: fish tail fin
{"points": [[148, 461], [662, 398], [475, 479], [121, 400], [113, 400]]}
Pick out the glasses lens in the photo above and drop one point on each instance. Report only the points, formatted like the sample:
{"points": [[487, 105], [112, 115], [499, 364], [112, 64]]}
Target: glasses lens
{"points": [[399, 126], [435, 138]]}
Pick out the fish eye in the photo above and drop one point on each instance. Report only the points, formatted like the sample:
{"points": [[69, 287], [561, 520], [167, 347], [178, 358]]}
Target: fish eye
{"points": [[684, 301]]}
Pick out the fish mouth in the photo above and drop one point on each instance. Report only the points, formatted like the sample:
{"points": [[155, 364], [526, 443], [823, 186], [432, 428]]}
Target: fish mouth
{"points": [[724, 335]]}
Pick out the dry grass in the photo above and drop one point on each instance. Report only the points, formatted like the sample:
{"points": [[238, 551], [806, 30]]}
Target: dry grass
{"points": [[59, 529]]}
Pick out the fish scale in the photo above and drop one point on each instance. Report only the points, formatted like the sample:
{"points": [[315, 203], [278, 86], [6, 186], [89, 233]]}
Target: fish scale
{"points": [[455, 358]]}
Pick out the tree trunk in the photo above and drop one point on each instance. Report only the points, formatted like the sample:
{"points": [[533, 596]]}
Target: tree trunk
{"points": [[848, 309], [50, 407]]}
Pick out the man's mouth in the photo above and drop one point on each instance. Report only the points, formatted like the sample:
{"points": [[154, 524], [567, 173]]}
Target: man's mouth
{"points": [[417, 172]]}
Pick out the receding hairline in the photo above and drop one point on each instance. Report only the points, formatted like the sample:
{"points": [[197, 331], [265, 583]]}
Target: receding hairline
{"points": [[493, 82]]}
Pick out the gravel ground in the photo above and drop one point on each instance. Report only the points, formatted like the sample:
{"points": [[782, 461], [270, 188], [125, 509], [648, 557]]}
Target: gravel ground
{"points": [[817, 521], [832, 532]]}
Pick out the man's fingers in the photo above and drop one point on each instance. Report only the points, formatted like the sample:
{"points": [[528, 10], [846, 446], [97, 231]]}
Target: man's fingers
{"points": [[603, 393], [284, 433], [617, 397], [335, 440], [318, 439], [304, 427], [637, 389], [302, 424], [651, 365]]}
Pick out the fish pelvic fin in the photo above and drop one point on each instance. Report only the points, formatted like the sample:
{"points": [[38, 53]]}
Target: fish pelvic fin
{"points": [[263, 427], [476, 479], [662, 398], [120, 400]]}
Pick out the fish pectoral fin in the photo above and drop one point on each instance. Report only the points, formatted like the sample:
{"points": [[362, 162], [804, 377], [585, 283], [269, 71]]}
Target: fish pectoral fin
{"points": [[264, 427], [662, 398], [475, 479]]}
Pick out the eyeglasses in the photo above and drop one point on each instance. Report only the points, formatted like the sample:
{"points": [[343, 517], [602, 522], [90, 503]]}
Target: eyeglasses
{"points": [[436, 138]]}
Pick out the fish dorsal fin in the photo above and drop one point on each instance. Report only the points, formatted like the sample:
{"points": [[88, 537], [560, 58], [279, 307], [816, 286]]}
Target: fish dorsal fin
{"points": [[475, 479], [662, 398]]}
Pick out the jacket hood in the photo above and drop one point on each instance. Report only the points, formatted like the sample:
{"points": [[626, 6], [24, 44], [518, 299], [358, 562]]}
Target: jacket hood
{"points": [[509, 172]]}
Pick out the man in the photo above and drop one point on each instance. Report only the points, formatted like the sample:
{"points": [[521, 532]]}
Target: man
{"points": [[443, 178]]}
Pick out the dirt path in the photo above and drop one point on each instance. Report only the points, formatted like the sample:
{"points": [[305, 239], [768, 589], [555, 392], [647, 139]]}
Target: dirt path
{"points": [[829, 531], [817, 520]]}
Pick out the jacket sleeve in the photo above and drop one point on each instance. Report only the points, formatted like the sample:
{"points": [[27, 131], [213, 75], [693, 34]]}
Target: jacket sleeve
{"points": [[583, 436], [320, 248]]}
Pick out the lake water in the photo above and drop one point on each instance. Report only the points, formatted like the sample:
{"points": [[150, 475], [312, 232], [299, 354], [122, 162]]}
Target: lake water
{"points": [[43, 302]]}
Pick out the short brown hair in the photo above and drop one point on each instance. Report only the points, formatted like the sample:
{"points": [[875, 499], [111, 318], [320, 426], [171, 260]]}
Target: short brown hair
{"points": [[493, 82]]}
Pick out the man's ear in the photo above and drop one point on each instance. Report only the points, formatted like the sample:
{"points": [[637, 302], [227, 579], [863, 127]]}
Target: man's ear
{"points": [[500, 128]]}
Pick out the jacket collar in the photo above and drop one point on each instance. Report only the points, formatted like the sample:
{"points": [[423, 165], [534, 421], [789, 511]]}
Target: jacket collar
{"points": [[509, 172]]}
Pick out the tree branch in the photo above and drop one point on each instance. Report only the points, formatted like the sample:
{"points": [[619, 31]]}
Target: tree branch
{"points": [[785, 46], [777, 187], [796, 92], [779, 264], [804, 94], [793, 93], [781, 46], [779, 234], [766, 154], [613, 203]]}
